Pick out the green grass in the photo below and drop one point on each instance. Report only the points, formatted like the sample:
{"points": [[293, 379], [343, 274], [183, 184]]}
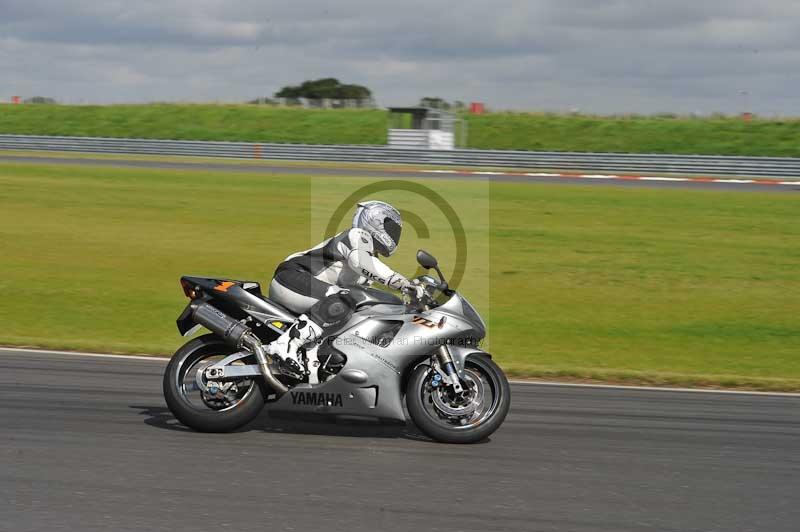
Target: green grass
{"points": [[636, 134], [251, 123], [599, 283], [521, 131]]}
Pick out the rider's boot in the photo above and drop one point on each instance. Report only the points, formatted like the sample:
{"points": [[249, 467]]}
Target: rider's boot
{"points": [[300, 333]]}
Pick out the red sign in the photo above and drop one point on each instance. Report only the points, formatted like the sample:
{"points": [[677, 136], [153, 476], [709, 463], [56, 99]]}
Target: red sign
{"points": [[16, 100], [477, 108]]}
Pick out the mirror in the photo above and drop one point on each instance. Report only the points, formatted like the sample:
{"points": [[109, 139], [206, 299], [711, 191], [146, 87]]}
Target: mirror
{"points": [[426, 260]]}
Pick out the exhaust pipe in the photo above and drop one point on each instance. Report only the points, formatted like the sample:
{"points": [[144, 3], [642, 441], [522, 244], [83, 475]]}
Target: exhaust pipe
{"points": [[237, 334], [254, 345]]}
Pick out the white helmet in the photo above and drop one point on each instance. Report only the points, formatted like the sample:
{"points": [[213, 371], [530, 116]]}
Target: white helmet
{"points": [[383, 222]]}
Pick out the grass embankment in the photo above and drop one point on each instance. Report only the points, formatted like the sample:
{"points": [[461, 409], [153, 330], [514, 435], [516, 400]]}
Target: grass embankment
{"points": [[636, 134], [657, 286], [246, 123], [521, 131]]}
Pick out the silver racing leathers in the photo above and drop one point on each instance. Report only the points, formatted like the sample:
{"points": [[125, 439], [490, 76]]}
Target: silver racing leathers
{"points": [[314, 283]]}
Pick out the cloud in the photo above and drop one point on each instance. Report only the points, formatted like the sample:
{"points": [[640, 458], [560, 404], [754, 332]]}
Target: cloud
{"points": [[601, 56]]}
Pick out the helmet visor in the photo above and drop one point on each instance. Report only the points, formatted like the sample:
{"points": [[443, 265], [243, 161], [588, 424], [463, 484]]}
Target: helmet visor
{"points": [[392, 229]]}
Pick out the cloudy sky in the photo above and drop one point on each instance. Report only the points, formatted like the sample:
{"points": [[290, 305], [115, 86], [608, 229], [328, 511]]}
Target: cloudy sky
{"points": [[594, 55]]}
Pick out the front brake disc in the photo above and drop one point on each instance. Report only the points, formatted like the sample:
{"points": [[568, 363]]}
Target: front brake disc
{"points": [[459, 410]]}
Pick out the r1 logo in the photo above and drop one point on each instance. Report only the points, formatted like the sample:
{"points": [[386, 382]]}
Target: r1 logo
{"points": [[419, 320]]}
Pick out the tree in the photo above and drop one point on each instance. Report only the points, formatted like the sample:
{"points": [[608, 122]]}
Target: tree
{"points": [[325, 88], [262, 101], [434, 102], [355, 92], [40, 99]]}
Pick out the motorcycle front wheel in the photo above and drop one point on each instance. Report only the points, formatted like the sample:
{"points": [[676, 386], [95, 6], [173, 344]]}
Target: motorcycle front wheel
{"points": [[203, 405], [468, 417]]}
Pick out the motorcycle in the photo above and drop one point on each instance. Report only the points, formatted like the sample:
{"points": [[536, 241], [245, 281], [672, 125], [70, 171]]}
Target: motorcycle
{"points": [[425, 349]]}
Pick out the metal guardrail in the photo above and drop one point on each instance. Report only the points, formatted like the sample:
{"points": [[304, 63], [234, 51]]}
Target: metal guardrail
{"points": [[563, 161]]}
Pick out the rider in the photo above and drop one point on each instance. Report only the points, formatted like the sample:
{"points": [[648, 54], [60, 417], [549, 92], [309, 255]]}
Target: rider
{"points": [[314, 283]]}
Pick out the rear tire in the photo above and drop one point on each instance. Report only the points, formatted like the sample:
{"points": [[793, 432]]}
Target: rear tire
{"points": [[490, 408], [207, 420]]}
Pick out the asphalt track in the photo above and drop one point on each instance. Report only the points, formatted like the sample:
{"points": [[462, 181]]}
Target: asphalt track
{"points": [[397, 173], [87, 444]]}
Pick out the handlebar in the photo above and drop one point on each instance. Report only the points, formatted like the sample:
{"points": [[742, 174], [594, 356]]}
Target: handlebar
{"points": [[442, 286], [428, 296]]}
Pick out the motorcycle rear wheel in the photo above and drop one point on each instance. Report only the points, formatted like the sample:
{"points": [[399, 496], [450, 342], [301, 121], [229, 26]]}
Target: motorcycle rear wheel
{"points": [[192, 405], [468, 419]]}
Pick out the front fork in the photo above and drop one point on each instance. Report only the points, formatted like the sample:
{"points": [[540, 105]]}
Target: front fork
{"points": [[448, 368]]}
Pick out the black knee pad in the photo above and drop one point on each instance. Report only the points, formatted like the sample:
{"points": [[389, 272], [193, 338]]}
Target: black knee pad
{"points": [[332, 311]]}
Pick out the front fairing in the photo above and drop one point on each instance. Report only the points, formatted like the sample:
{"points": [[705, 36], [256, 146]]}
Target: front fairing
{"points": [[458, 307]]}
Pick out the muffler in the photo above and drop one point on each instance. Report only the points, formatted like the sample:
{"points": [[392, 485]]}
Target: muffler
{"points": [[216, 321], [239, 335]]}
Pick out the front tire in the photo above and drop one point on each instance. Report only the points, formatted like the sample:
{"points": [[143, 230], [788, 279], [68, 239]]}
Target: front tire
{"points": [[467, 419], [186, 400]]}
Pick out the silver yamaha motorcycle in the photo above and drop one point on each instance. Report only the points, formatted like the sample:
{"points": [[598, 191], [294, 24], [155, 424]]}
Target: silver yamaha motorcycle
{"points": [[425, 350]]}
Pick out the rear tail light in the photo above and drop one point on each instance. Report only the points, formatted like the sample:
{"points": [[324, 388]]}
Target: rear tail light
{"points": [[188, 289]]}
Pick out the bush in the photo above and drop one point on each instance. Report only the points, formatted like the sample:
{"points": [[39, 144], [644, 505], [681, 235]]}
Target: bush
{"points": [[40, 100]]}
